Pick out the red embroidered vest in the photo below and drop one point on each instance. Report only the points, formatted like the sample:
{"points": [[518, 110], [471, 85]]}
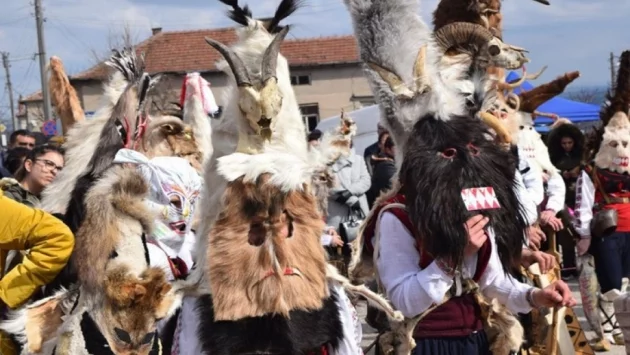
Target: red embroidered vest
{"points": [[458, 317], [616, 186]]}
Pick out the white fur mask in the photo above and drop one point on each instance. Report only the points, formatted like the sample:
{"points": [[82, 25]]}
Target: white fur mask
{"points": [[614, 152]]}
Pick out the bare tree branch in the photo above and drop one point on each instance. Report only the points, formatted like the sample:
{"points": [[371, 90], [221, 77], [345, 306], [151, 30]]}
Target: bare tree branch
{"points": [[589, 96], [116, 39]]}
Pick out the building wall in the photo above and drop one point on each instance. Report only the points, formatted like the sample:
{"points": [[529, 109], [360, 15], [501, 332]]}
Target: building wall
{"points": [[328, 90]]}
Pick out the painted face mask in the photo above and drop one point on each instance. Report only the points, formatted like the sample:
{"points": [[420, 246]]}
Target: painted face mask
{"points": [[174, 190], [614, 152]]}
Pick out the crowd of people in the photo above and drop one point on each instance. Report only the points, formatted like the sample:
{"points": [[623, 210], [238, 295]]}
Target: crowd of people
{"points": [[151, 231]]}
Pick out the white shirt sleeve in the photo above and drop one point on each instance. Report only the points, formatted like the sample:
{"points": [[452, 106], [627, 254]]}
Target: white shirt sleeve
{"points": [[533, 181], [584, 201], [495, 283], [556, 191], [410, 289], [326, 239], [529, 206]]}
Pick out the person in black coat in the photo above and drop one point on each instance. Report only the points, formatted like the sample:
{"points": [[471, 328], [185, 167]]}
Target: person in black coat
{"points": [[384, 170], [374, 149]]}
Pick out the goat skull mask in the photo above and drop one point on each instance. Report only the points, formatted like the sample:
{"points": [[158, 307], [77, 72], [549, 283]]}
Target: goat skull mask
{"points": [[614, 152], [259, 100]]}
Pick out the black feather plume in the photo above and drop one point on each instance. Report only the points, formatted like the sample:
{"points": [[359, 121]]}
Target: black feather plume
{"points": [[284, 10], [240, 15], [128, 63]]}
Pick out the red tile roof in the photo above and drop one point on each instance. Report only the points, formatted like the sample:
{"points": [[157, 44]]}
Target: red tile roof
{"points": [[36, 96], [187, 51]]}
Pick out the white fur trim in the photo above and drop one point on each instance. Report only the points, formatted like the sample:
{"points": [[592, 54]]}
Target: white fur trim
{"points": [[287, 171]]}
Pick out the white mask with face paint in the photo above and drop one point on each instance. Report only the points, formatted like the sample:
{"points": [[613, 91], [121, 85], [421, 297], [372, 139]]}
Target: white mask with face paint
{"points": [[174, 188], [614, 151]]}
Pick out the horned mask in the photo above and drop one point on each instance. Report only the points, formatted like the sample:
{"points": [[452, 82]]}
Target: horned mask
{"points": [[260, 98]]}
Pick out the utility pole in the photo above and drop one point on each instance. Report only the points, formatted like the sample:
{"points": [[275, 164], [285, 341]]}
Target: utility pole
{"points": [[5, 63], [42, 58]]}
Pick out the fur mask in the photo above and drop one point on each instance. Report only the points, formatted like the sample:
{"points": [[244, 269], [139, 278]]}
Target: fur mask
{"points": [[462, 150], [614, 152], [264, 254], [125, 314]]}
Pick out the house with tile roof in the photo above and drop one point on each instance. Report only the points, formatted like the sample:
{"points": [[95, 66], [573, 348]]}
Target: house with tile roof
{"points": [[325, 72]]}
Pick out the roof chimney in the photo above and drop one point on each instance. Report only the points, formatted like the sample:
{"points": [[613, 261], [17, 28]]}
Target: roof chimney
{"points": [[156, 30]]}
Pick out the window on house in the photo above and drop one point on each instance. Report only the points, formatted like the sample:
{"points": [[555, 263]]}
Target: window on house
{"points": [[310, 115], [300, 80]]}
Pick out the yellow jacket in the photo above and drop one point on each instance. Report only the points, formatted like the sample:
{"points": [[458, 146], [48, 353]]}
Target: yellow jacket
{"points": [[49, 241]]}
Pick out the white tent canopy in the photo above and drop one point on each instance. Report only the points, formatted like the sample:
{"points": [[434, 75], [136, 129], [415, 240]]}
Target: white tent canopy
{"points": [[366, 119]]}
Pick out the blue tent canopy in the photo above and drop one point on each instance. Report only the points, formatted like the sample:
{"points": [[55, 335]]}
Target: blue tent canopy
{"points": [[573, 110]]}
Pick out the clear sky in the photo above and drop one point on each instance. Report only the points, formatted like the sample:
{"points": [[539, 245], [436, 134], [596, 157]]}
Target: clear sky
{"points": [[568, 35]]}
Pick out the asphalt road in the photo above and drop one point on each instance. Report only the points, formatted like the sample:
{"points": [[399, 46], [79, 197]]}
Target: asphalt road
{"points": [[369, 334]]}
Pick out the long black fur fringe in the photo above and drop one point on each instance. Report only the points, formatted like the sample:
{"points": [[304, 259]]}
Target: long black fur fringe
{"points": [[433, 184], [299, 334]]}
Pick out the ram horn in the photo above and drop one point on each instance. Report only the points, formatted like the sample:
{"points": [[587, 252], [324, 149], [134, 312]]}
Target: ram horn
{"points": [[394, 81], [418, 70], [494, 123], [461, 34], [270, 58], [236, 64]]}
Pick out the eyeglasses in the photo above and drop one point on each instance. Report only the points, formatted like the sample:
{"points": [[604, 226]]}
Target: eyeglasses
{"points": [[50, 166]]}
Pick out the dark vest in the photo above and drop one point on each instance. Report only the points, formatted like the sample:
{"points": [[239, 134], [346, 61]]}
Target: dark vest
{"points": [[458, 317]]}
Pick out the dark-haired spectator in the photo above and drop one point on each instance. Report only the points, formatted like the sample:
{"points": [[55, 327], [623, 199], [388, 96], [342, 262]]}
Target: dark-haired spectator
{"points": [[314, 137], [39, 169], [22, 138], [15, 159], [375, 148], [384, 170]]}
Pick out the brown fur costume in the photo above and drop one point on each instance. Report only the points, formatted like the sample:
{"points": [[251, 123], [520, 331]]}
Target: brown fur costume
{"points": [[169, 136], [63, 96], [252, 270], [118, 196]]}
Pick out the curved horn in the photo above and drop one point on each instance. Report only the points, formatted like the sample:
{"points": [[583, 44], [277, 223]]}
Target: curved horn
{"points": [[519, 82], [537, 74], [553, 116], [461, 33], [236, 64], [270, 59], [496, 125]]}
